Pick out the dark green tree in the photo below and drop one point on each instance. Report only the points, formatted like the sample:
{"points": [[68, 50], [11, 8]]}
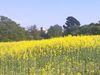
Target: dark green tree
{"points": [[34, 33], [10, 30], [71, 26], [55, 31], [91, 29], [43, 33]]}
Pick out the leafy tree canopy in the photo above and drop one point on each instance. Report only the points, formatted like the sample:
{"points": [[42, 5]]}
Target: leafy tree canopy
{"points": [[10, 30], [55, 31]]}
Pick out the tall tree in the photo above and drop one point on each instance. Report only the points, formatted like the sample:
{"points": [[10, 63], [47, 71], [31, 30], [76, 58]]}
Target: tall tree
{"points": [[10, 30], [34, 32], [71, 26], [55, 31], [43, 33]]}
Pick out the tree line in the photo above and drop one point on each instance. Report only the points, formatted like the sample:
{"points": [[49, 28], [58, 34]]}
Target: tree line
{"points": [[11, 31]]}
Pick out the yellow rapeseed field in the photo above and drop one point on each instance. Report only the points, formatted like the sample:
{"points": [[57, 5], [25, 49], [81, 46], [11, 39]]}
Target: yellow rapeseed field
{"points": [[71, 55]]}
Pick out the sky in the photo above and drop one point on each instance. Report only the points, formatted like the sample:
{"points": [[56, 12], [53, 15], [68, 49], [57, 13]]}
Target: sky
{"points": [[45, 13]]}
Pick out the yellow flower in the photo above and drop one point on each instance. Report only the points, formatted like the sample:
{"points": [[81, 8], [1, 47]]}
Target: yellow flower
{"points": [[79, 73]]}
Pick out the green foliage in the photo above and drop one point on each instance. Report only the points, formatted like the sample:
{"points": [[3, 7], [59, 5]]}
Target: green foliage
{"points": [[91, 29], [10, 31], [71, 26], [34, 33], [55, 31], [43, 33]]}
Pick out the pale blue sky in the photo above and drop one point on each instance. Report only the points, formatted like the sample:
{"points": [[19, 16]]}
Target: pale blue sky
{"points": [[49, 12]]}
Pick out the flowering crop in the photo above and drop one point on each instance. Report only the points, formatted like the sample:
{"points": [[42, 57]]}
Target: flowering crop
{"points": [[71, 55]]}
